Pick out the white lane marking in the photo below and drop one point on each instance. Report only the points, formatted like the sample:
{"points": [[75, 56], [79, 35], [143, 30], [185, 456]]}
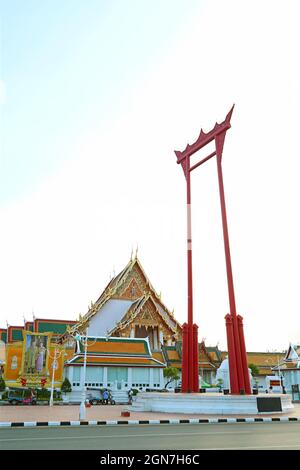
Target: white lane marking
{"points": [[128, 436]]}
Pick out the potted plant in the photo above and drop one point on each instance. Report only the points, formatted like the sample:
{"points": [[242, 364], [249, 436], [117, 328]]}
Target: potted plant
{"points": [[220, 384], [255, 388], [133, 393]]}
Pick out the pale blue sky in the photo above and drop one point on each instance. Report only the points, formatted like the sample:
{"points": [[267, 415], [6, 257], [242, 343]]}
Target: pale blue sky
{"points": [[67, 64], [98, 96]]}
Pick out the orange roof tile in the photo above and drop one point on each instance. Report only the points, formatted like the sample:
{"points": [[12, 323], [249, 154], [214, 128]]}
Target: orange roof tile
{"points": [[124, 361], [264, 359], [132, 347], [158, 356], [214, 356], [178, 365], [120, 346], [204, 366], [289, 365], [173, 355]]}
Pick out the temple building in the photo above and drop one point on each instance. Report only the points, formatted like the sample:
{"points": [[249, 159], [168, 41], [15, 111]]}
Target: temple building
{"points": [[131, 337], [31, 350], [129, 330], [289, 368]]}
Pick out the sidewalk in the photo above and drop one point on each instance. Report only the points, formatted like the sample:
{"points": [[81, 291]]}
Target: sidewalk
{"points": [[108, 414]]}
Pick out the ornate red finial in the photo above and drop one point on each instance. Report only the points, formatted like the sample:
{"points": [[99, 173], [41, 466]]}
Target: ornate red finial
{"points": [[204, 138]]}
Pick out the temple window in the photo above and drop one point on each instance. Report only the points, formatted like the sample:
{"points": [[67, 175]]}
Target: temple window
{"points": [[133, 291]]}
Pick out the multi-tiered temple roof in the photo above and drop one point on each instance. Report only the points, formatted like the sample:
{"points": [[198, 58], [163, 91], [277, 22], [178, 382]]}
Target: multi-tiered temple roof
{"points": [[129, 306]]}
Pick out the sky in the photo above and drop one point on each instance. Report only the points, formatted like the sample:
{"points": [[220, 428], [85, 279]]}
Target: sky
{"points": [[95, 96]]}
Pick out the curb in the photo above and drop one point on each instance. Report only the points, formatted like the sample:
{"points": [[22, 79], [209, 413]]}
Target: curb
{"points": [[150, 421]]}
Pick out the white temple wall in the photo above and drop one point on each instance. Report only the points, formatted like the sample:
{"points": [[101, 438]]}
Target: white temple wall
{"points": [[116, 377]]}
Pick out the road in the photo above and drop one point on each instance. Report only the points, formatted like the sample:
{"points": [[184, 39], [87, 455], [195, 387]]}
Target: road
{"points": [[280, 436]]}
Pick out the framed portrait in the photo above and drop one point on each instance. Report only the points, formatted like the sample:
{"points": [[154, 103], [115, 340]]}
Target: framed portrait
{"points": [[35, 352]]}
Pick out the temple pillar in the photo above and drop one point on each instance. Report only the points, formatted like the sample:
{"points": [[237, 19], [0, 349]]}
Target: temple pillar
{"points": [[132, 332], [161, 378], [81, 378], [129, 377], [161, 336], [155, 338], [151, 384], [105, 377], [70, 374]]}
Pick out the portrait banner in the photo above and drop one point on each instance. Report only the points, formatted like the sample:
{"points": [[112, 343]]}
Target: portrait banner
{"points": [[35, 351]]}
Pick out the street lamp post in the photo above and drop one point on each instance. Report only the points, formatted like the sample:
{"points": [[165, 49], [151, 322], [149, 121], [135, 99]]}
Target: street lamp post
{"points": [[280, 376], [84, 342], [82, 412], [57, 354]]}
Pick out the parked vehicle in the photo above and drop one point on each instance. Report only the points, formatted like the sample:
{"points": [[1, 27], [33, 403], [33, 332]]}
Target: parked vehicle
{"points": [[105, 399], [14, 399], [29, 400], [22, 396], [94, 400]]}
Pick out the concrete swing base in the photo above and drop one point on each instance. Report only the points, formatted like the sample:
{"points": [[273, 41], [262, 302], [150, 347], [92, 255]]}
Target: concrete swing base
{"points": [[212, 403]]}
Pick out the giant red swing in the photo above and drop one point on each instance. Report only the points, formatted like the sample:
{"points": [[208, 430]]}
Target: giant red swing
{"points": [[238, 368]]}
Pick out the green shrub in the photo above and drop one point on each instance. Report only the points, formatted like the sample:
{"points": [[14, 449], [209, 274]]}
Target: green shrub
{"points": [[66, 386], [42, 394], [2, 384]]}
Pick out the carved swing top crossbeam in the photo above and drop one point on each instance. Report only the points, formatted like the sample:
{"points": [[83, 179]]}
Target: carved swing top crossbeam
{"points": [[203, 139]]}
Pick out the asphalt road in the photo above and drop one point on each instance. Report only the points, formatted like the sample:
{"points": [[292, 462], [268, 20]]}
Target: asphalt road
{"points": [[273, 436]]}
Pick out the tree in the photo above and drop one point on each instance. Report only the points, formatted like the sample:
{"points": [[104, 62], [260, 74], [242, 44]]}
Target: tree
{"points": [[171, 373], [2, 385], [254, 369], [66, 386]]}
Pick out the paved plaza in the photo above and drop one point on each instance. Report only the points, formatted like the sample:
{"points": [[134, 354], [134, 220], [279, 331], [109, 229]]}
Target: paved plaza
{"points": [[109, 412]]}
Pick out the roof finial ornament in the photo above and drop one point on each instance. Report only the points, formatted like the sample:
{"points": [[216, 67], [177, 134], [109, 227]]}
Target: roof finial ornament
{"points": [[136, 251]]}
